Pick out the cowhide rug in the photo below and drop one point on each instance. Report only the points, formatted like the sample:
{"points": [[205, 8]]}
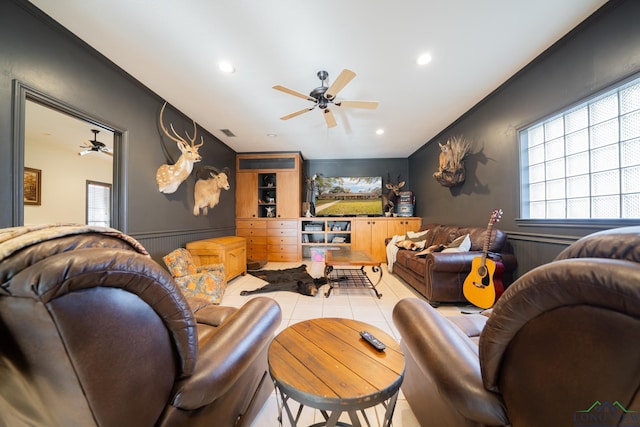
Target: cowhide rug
{"points": [[295, 279]]}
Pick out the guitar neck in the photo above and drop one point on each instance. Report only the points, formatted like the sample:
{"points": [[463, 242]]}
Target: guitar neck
{"points": [[487, 240]]}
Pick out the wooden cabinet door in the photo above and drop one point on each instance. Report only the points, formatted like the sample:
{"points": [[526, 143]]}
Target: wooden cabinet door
{"points": [[378, 235], [396, 227], [368, 235], [361, 235], [288, 195], [247, 195], [400, 226], [413, 224]]}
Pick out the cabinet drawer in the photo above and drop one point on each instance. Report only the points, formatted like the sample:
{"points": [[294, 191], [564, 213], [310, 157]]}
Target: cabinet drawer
{"points": [[282, 240], [282, 249], [282, 257], [290, 232], [248, 223], [293, 224], [257, 253], [256, 240], [251, 232]]}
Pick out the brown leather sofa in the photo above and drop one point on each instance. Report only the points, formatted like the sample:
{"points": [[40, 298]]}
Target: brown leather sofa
{"points": [[439, 276], [562, 338], [94, 332]]}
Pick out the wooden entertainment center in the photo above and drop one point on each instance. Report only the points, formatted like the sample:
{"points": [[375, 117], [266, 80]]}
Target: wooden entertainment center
{"points": [[268, 205]]}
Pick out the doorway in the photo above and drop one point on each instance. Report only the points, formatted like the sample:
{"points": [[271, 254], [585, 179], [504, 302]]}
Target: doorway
{"points": [[58, 150]]}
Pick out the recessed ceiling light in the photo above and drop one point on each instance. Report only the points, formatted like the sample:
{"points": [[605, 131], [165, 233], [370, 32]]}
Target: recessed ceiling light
{"points": [[226, 67], [272, 135], [424, 59], [379, 131]]}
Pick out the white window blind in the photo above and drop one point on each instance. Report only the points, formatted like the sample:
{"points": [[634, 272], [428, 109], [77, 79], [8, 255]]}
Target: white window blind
{"points": [[98, 203]]}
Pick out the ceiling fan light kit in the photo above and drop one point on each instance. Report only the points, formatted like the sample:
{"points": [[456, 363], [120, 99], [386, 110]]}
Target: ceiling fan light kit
{"points": [[95, 146], [324, 96]]}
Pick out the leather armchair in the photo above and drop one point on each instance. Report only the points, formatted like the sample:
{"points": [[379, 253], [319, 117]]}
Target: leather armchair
{"points": [[94, 332], [560, 338]]}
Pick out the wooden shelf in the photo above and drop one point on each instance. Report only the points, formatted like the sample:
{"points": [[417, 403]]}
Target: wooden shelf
{"points": [[357, 233], [324, 232]]}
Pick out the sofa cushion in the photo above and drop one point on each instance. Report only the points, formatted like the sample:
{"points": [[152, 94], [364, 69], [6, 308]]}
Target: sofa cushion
{"points": [[416, 264], [444, 234], [460, 244], [478, 235], [403, 257]]}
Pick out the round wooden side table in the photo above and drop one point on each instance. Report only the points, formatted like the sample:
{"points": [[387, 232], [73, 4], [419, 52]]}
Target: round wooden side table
{"points": [[325, 364]]}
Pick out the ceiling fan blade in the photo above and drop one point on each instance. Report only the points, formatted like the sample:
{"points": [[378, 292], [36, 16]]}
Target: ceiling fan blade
{"points": [[297, 113], [371, 105], [344, 77], [85, 152], [294, 93], [329, 118]]}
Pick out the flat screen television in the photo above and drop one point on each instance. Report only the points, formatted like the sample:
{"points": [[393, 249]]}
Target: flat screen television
{"points": [[349, 196]]}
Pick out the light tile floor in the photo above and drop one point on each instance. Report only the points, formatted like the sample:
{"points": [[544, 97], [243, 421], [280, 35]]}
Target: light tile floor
{"points": [[359, 304]]}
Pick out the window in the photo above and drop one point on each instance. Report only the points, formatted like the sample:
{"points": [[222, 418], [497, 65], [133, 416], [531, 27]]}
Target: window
{"points": [[98, 203], [584, 163]]}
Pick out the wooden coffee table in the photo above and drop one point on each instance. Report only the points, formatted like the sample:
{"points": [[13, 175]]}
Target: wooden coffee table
{"points": [[325, 364], [350, 277]]}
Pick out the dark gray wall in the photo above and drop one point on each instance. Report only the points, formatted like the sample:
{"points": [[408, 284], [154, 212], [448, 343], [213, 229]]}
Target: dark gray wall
{"points": [[40, 54], [603, 50]]}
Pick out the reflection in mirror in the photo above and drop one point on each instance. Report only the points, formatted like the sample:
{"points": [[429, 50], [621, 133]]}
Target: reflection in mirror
{"points": [[70, 157]]}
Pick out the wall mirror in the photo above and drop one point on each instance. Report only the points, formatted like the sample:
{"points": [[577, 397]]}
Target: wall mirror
{"points": [[68, 163]]}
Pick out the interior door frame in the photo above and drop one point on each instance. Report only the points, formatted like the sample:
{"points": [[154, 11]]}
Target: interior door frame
{"points": [[21, 94]]}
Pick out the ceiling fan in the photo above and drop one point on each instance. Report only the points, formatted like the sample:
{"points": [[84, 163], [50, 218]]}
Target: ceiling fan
{"points": [[323, 97], [95, 146]]}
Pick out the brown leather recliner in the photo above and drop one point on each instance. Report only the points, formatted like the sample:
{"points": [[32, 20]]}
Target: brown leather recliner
{"points": [[561, 339], [94, 332]]}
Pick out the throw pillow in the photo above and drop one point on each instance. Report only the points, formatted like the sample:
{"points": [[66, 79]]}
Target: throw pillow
{"points": [[417, 236], [460, 244], [210, 285], [180, 263]]}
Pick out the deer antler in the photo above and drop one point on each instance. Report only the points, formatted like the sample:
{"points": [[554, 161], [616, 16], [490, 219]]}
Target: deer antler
{"points": [[177, 138], [169, 177]]}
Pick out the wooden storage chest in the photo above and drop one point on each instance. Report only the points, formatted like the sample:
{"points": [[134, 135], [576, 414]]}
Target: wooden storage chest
{"points": [[229, 250]]}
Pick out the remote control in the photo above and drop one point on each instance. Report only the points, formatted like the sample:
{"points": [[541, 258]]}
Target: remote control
{"points": [[375, 342]]}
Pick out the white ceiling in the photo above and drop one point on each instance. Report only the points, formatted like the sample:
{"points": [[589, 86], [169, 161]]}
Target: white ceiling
{"points": [[173, 48], [44, 125]]}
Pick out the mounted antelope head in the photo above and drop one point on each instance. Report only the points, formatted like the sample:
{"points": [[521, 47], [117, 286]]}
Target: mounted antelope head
{"points": [[207, 190], [169, 177]]}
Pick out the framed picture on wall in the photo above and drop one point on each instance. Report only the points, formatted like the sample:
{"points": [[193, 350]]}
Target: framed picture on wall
{"points": [[32, 186]]}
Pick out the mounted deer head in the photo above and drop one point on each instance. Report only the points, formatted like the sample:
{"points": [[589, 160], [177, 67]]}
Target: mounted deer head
{"points": [[169, 177], [389, 199]]}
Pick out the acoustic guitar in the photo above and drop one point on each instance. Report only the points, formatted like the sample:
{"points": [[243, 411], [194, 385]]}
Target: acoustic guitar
{"points": [[479, 287]]}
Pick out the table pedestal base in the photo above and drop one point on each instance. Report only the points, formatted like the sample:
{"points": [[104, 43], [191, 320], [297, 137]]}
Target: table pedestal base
{"points": [[331, 417]]}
